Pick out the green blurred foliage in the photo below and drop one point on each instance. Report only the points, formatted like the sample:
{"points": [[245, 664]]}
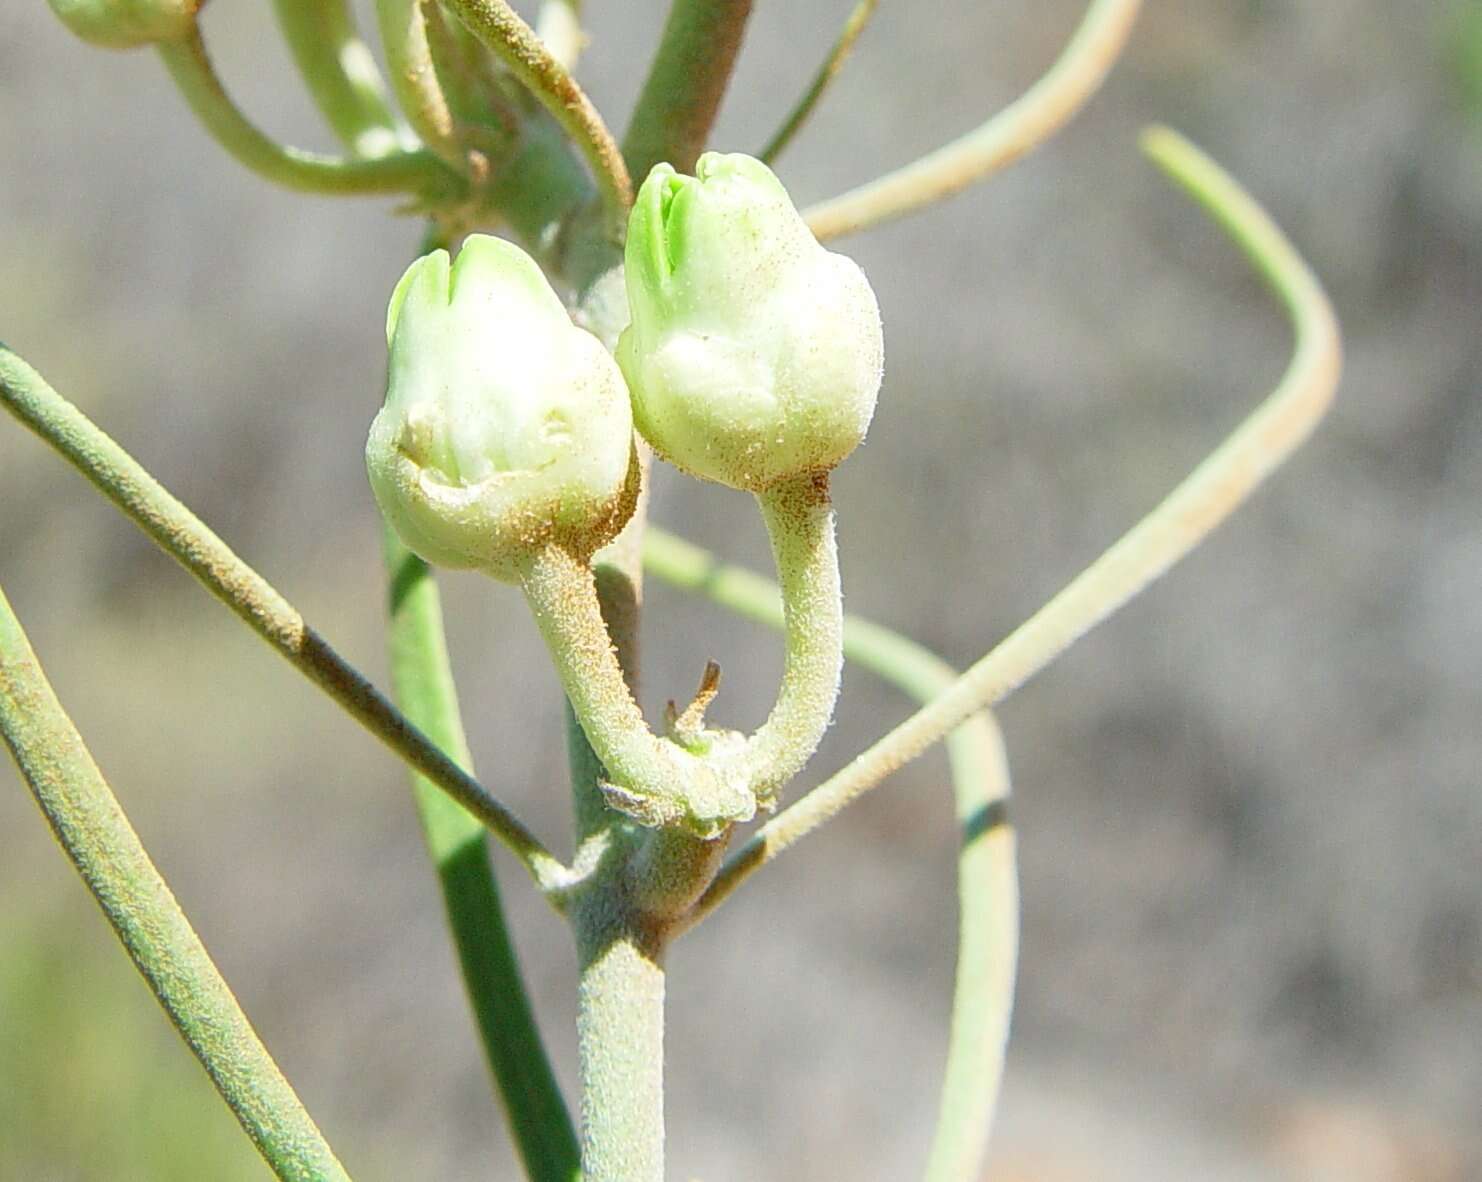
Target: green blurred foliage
{"points": [[75, 1020], [1463, 37]]}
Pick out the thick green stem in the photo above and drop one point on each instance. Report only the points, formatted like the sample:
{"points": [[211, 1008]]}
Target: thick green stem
{"points": [[620, 1032], [177, 531], [685, 84], [397, 172], [340, 72], [620, 1014], [537, 188], [651, 779], [800, 524], [457, 842], [93, 830]]}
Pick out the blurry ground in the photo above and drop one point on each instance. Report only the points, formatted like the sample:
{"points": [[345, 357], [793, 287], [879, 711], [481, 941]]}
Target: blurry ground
{"points": [[1249, 807]]}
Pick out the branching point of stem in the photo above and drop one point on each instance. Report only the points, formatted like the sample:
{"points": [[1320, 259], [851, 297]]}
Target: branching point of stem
{"points": [[510, 39], [987, 887], [651, 779]]}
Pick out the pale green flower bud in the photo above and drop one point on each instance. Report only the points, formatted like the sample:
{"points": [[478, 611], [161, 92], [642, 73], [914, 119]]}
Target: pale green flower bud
{"points": [[754, 354], [506, 428], [126, 24]]}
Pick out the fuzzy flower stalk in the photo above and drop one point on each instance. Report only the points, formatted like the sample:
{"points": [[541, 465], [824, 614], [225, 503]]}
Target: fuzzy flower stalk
{"points": [[754, 360]]}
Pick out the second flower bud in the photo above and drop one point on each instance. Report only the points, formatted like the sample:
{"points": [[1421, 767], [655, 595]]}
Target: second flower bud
{"points": [[754, 354]]}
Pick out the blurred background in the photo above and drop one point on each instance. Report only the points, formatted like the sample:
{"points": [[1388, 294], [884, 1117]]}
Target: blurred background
{"points": [[1249, 807]]}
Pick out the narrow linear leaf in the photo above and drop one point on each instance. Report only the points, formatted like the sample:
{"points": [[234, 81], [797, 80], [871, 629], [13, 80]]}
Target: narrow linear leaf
{"points": [[341, 73], [400, 171], [96, 835], [177, 531], [854, 25], [1020, 127]]}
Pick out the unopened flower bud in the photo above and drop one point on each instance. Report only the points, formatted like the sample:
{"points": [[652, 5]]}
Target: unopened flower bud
{"points": [[126, 24], [754, 354], [506, 428]]}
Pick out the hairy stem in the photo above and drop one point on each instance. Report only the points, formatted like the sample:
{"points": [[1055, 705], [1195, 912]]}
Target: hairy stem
{"points": [[488, 107], [620, 999], [858, 18], [177, 531], [617, 600], [650, 778], [685, 84], [341, 73], [1205, 498], [511, 40], [394, 172], [1026, 123], [800, 524], [92, 828], [620, 1034], [457, 843]]}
